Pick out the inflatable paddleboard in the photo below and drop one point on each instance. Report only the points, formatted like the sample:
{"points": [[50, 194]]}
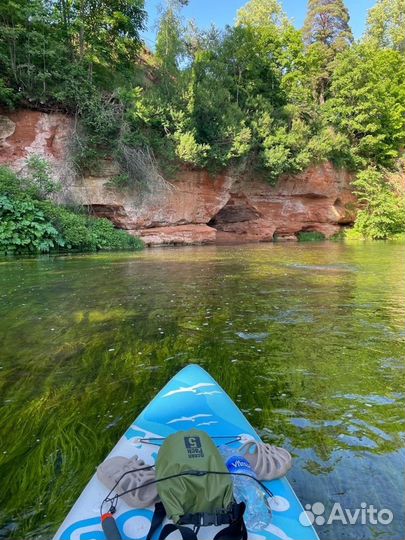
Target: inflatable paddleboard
{"points": [[192, 399]]}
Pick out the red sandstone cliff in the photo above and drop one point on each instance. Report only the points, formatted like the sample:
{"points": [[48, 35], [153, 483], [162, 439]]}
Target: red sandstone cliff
{"points": [[200, 208]]}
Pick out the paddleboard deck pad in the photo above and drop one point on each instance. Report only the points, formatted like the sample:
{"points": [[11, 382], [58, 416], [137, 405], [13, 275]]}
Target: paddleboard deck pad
{"points": [[191, 399]]}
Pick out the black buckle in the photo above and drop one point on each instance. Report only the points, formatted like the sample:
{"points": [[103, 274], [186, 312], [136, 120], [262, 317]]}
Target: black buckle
{"points": [[206, 519], [209, 519], [219, 518]]}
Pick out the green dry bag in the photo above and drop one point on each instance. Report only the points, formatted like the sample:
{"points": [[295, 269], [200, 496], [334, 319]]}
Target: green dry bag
{"points": [[192, 450]]}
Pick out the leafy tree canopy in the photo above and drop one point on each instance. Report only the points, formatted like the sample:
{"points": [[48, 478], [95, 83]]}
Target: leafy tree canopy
{"points": [[259, 13], [368, 103], [386, 24]]}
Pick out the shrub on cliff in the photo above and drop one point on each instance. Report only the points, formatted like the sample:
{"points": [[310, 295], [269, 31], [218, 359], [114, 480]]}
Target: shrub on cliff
{"points": [[103, 235], [382, 213], [85, 233], [31, 224], [189, 151]]}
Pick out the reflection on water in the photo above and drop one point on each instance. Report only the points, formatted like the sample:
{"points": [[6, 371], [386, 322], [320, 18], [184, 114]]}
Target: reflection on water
{"points": [[308, 340]]}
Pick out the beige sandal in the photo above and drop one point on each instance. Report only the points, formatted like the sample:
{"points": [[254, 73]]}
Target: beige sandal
{"points": [[268, 462], [111, 470]]}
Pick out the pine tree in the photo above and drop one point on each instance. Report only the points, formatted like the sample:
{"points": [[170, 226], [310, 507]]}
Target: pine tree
{"points": [[326, 32], [327, 23]]}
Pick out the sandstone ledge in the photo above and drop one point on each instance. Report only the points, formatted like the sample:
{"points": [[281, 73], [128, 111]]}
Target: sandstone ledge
{"points": [[178, 235]]}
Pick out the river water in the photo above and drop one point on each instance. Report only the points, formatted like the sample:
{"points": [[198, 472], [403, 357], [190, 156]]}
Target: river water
{"points": [[308, 339]]}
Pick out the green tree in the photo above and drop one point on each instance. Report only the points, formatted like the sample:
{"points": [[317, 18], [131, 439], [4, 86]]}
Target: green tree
{"points": [[259, 13], [169, 41], [386, 24], [326, 32], [52, 51], [382, 208], [327, 22], [101, 32], [367, 103], [213, 114], [31, 56]]}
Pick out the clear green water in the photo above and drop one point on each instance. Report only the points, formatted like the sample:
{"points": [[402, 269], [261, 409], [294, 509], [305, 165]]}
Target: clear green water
{"points": [[309, 340]]}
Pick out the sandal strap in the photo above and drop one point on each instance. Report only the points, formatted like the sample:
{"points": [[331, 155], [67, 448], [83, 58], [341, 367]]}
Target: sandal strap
{"points": [[269, 462], [113, 470]]}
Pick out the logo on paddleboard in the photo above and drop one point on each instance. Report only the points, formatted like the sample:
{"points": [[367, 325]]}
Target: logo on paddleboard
{"points": [[194, 448]]}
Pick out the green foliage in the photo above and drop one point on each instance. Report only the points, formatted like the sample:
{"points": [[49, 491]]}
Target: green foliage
{"points": [[386, 25], [7, 95], [30, 224], [189, 151], [72, 225], [261, 13], [85, 233], [330, 144], [327, 22], [241, 98], [104, 235], [24, 228], [119, 182], [353, 234], [37, 181], [326, 32], [169, 43], [242, 143], [367, 103], [10, 184], [40, 178], [382, 213], [286, 150], [320, 67], [46, 46], [310, 236], [72, 56], [339, 236]]}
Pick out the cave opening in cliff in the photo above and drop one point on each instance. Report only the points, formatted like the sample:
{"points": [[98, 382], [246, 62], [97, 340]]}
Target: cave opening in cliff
{"points": [[236, 210]]}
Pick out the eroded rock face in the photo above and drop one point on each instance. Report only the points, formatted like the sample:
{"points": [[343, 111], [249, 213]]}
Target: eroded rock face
{"points": [[30, 132], [235, 209], [199, 208], [194, 199], [177, 235], [320, 199]]}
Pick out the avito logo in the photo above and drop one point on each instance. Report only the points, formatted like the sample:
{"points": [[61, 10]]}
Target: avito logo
{"points": [[366, 514]]}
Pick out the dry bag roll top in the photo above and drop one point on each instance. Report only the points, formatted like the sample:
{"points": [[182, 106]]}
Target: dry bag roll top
{"points": [[195, 489], [192, 450]]}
